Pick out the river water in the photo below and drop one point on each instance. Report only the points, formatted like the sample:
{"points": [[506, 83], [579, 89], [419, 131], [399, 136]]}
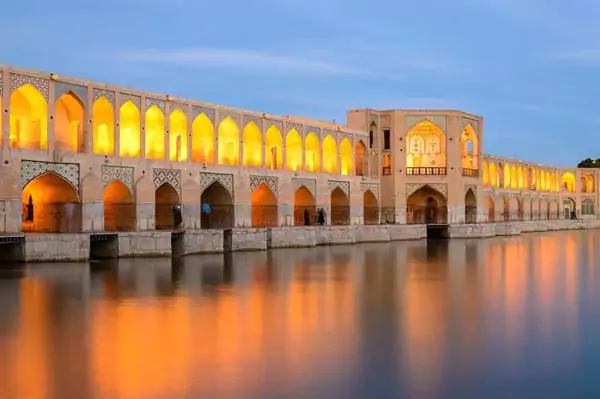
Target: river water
{"points": [[496, 318]]}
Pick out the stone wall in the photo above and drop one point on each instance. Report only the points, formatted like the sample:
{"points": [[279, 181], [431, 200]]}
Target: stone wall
{"points": [[202, 242], [56, 247], [145, 243]]}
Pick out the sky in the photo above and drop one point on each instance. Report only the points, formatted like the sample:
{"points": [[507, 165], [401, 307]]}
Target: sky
{"points": [[530, 68]]}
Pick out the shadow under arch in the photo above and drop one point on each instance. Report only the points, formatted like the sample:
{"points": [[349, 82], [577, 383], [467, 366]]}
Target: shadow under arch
{"points": [[119, 208], [305, 207], [166, 208], [370, 208], [216, 207], [426, 206], [470, 207]]}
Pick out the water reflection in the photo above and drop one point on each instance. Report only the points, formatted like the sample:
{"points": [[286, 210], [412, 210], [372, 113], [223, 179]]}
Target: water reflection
{"points": [[509, 317]]}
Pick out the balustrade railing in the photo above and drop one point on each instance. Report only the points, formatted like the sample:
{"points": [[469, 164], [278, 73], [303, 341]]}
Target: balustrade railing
{"points": [[470, 172], [426, 171]]}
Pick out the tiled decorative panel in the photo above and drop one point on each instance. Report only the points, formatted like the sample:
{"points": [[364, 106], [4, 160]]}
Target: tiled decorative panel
{"points": [[411, 188], [32, 169], [42, 85], [249, 118], [310, 184], [292, 125], [271, 181], [162, 176], [122, 173], [153, 101], [474, 124], [413, 120], [343, 185], [173, 106], [270, 122], [226, 180], [222, 114], [210, 113], [109, 95], [123, 98], [329, 132], [372, 187], [309, 129], [80, 92], [472, 187]]}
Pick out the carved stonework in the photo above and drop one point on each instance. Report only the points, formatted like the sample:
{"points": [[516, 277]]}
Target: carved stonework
{"points": [[109, 95], [311, 129], [249, 118], [271, 181], [372, 187], [154, 101], [42, 85], [331, 133], [472, 187], [373, 119], [474, 124], [123, 98], [1, 82], [80, 92], [170, 176], [124, 174], [210, 113], [32, 169], [413, 120], [223, 114], [310, 184], [343, 185], [270, 122], [174, 106], [292, 125], [411, 188], [226, 180]]}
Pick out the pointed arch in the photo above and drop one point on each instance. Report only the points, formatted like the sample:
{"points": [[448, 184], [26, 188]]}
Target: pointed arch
{"points": [[330, 155], [507, 175], [469, 144], [252, 152], [340, 207], [228, 142], [470, 207], [50, 205], [305, 208], [264, 207], [426, 146], [103, 119], [361, 164], [28, 118], [312, 153], [515, 209], [485, 174], [119, 207], [505, 209], [216, 207], [155, 133], [166, 199], [426, 206], [129, 130], [346, 157], [274, 148], [491, 210], [567, 182], [68, 123], [293, 151], [514, 177], [203, 140], [178, 136], [493, 175], [370, 208]]}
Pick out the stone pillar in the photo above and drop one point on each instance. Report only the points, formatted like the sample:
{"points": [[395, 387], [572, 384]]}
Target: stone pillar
{"points": [[143, 108], [356, 202], [5, 125], [89, 115], [323, 198], [117, 108], [190, 134], [92, 202], [167, 135], [190, 204], [10, 198], [51, 111]]}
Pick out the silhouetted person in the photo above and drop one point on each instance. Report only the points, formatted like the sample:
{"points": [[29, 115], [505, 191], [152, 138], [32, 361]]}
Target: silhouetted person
{"points": [[573, 215], [177, 219], [321, 216], [29, 210], [306, 217]]}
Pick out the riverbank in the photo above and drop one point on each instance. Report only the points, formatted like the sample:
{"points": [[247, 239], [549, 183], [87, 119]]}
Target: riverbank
{"points": [[85, 246]]}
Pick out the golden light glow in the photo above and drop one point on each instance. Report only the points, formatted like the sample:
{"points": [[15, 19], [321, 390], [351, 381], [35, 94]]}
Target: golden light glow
{"points": [[507, 176], [274, 150], [346, 157], [312, 153], [514, 177], [68, 123], [469, 144], [329, 155], [485, 175], [568, 182], [28, 119], [264, 207], [178, 136], [304, 200], [493, 175], [129, 132], [155, 133], [104, 127], [203, 140], [360, 159], [229, 142], [491, 211], [587, 183], [426, 146], [293, 151], [252, 146], [119, 210]]}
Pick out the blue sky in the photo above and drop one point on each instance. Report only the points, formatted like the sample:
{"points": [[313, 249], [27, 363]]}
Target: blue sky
{"points": [[531, 68]]}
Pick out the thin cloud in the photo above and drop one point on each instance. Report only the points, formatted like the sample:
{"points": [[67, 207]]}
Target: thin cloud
{"points": [[588, 57], [251, 61]]}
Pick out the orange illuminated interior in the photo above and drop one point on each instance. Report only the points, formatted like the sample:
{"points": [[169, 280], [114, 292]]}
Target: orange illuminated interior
{"points": [[203, 140], [104, 127], [293, 151], [28, 119]]}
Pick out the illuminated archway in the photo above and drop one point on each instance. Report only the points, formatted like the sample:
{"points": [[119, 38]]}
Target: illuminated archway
{"points": [[165, 201], [493, 175], [505, 209], [507, 176], [370, 208], [500, 174], [129, 132], [469, 144], [68, 123], [548, 181], [426, 146], [515, 208], [305, 209], [520, 181], [470, 207], [346, 157], [360, 159], [252, 153], [155, 133], [293, 151], [426, 205], [340, 207], [491, 210], [119, 208], [486, 174], [587, 183], [312, 153], [178, 136], [264, 207], [28, 118], [216, 207], [567, 182], [514, 177], [229, 142], [103, 119], [203, 140], [50, 205], [329, 155], [274, 149]]}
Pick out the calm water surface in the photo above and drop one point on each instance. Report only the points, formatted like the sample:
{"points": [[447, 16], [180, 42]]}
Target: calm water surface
{"points": [[497, 318]]}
